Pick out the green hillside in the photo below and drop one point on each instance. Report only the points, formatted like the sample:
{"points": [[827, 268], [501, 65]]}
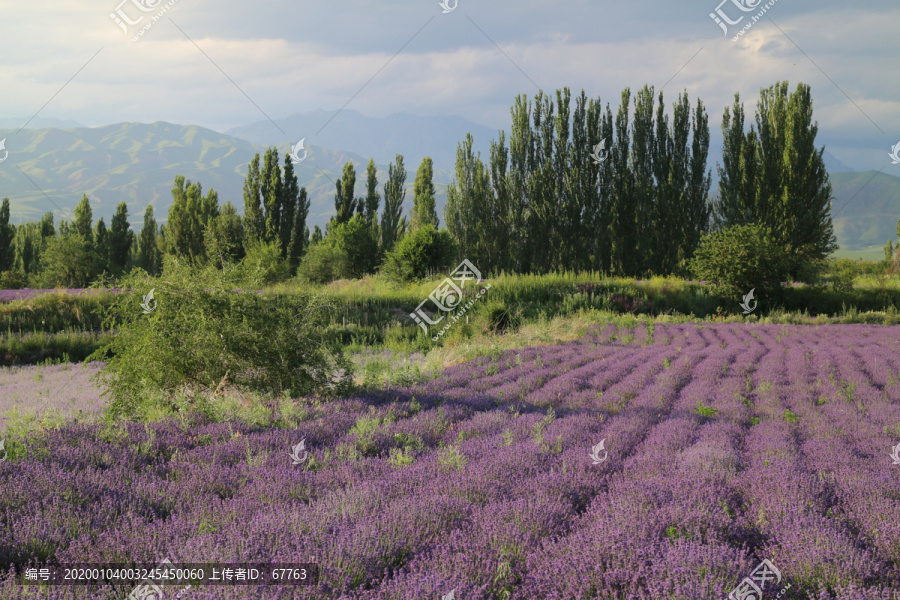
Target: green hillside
{"points": [[866, 209]]}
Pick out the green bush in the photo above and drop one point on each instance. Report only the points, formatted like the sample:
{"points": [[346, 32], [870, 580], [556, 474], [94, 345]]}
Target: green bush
{"points": [[349, 250], [737, 259], [357, 239], [420, 254], [323, 263], [12, 280], [264, 261], [69, 261], [202, 336]]}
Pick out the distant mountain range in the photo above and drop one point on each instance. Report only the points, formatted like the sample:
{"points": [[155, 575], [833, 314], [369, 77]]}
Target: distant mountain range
{"points": [[53, 162]]}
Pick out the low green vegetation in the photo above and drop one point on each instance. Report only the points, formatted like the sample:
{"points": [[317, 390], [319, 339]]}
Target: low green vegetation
{"points": [[203, 337]]}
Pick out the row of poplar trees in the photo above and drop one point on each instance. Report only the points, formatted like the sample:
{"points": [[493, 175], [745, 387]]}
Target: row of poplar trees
{"points": [[74, 253], [275, 212], [573, 190], [579, 190]]}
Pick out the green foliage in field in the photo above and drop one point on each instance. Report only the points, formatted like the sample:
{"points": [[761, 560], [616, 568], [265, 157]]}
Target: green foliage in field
{"points": [[349, 250], [421, 253], [265, 260], [737, 259], [498, 318], [12, 280], [204, 337]]}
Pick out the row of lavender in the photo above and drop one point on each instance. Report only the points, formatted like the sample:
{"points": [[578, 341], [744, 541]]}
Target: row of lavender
{"points": [[481, 481]]}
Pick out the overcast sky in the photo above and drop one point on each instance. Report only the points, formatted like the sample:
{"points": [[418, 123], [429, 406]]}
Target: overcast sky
{"points": [[224, 63]]}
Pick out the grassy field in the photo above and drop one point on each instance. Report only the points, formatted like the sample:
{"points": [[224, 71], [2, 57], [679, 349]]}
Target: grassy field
{"points": [[46, 333]]}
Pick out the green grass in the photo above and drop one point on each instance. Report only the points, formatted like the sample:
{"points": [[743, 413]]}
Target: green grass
{"points": [[371, 318]]}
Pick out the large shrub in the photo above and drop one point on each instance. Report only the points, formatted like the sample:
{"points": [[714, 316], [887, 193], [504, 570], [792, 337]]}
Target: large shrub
{"points": [[204, 336], [69, 261], [263, 260], [737, 259], [357, 239], [323, 263], [13, 280], [349, 250], [420, 254]]}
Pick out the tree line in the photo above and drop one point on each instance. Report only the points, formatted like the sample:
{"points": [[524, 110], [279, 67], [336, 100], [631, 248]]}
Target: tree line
{"points": [[574, 189]]}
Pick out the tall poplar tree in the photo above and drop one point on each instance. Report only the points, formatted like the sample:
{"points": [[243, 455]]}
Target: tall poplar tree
{"points": [[373, 198], [467, 205], [149, 256], [290, 199], [273, 195], [775, 176], [696, 205], [7, 235], [101, 245], [300, 232], [521, 167], [344, 200], [224, 240], [83, 219], [184, 234], [423, 210], [393, 224], [623, 215], [120, 240], [254, 221]]}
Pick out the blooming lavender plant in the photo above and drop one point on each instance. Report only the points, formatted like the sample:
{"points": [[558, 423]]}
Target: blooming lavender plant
{"points": [[495, 495]]}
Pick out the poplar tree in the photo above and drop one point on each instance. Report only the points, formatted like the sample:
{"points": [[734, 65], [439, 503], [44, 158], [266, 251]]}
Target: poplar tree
{"points": [[120, 240], [254, 223], [423, 210], [775, 176], [101, 246], [7, 235], [465, 211], [224, 240], [272, 190], [184, 236], [290, 199], [300, 232], [623, 215], [83, 219], [149, 256], [373, 198], [393, 225], [521, 166], [344, 200]]}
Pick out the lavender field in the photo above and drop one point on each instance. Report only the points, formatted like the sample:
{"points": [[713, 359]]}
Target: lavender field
{"points": [[723, 445]]}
